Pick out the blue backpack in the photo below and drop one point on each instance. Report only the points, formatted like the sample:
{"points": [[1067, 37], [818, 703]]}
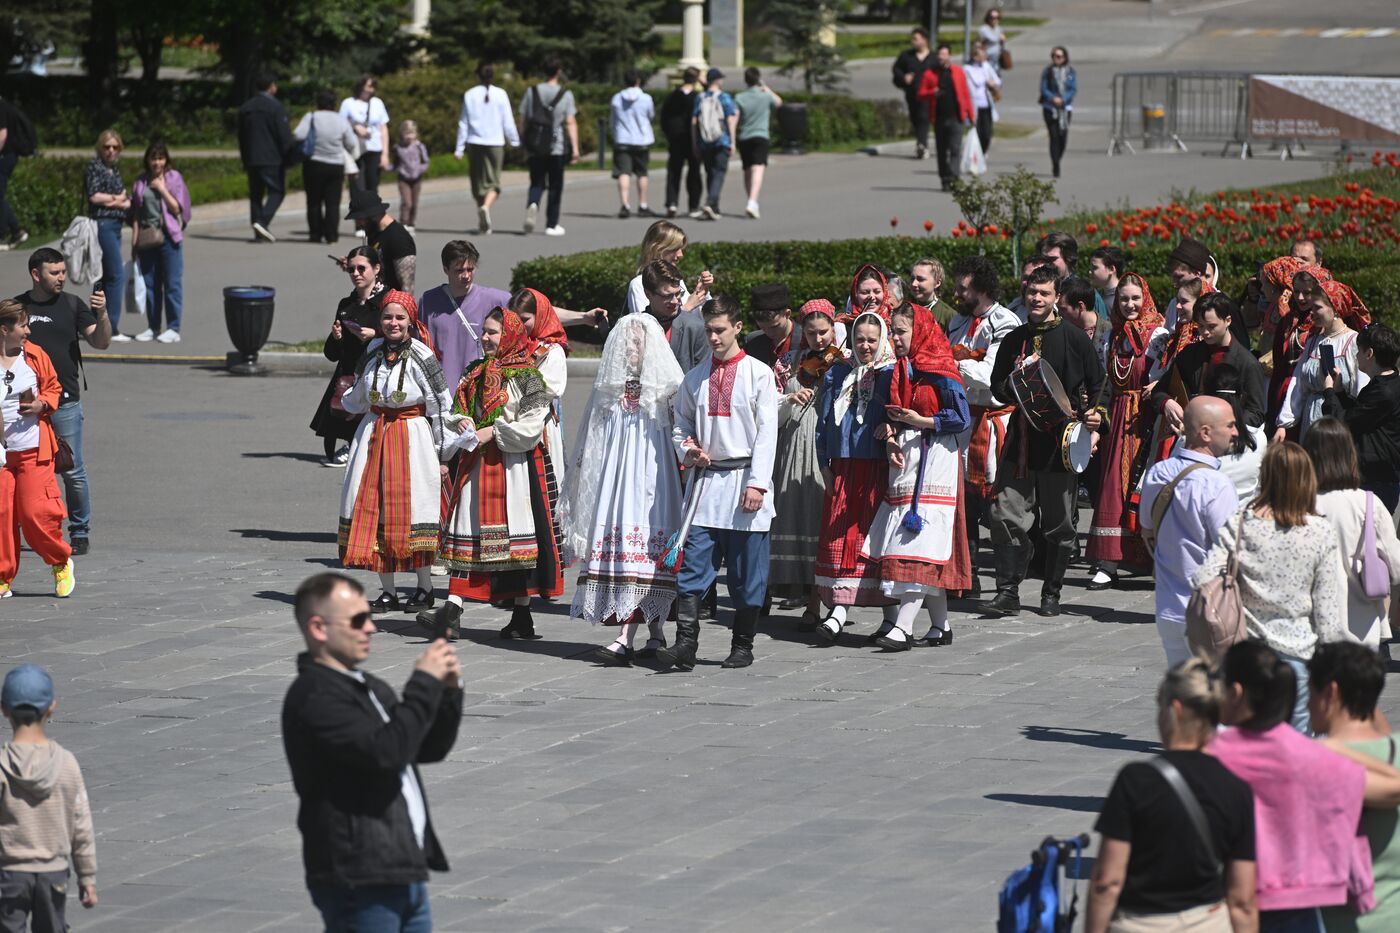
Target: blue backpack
{"points": [[1030, 899]]}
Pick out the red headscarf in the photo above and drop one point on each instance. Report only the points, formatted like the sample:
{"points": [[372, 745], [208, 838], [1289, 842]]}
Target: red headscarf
{"points": [[1280, 273], [405, 301], [485, 394], [1140, 329], [548, 331], [929, 355], [886, 303], [817, 306], [1346, 303]]}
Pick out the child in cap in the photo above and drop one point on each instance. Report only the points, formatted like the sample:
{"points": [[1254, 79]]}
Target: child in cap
{"points": [[45, 820]]}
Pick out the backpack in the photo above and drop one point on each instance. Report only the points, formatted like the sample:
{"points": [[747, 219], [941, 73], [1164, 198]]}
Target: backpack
{"points": [[22, 140], [711, 118], [539, 129], [1030, 900]]}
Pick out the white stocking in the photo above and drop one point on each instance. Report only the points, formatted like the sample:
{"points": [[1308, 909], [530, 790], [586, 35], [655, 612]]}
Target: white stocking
{"points": [[836, 621], [936, 602], [455, 600], [909, 606], [625, 635]]}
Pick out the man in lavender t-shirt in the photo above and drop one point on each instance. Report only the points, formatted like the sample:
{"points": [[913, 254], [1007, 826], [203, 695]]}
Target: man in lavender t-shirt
{"points": [[457, 336]]}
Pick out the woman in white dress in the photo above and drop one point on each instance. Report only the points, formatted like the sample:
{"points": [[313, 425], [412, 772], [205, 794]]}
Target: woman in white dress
{"points": [[1336, 315], [622, 498], [391, 503], [549, 349]]}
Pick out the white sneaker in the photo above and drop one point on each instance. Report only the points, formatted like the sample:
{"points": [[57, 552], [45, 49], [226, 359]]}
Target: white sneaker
{"points": [[709, 213], [146, 336], [338, 459], [483, 220], [531, 216], [262, 233], [555, 230], [752, 209], [120, 338], [169, 336], [696, 215]]}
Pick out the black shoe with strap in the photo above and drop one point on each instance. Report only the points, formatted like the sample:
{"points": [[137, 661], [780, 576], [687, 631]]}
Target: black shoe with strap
{"points": [[930, 640], [421, 599], [387, 602], [522, 625], [609, 658]]}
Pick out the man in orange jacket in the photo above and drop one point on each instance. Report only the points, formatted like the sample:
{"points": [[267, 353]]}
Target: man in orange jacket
{"points": [[944, 86]]}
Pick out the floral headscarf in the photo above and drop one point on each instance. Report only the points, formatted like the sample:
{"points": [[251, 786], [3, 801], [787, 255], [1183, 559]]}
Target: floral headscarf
{"points": [[483, 394], [1280, 273], [1348, 305], [548, 330], [404, 300], [929, 355], [1140, 329], [859, 384]]}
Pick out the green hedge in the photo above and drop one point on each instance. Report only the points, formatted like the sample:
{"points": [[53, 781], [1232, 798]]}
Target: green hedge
{"points": [[197, 113], [824, 269]]}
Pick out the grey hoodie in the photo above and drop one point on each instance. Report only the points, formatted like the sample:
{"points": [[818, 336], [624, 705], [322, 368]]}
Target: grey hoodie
{"points": [[44, 812]]}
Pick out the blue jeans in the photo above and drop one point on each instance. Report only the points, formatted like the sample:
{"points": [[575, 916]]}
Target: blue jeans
{"points": [[68, 424], [1301, 720], [380, 908], [1302, 920], [164, 272], [113, 281], [716, 162], [746, 553]]}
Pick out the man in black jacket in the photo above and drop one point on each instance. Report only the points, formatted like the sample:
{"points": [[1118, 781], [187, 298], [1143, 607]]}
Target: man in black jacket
{"points": [[1217, 347], [367, 839], [1031, 472], [676, 112], [1374, 415], [908, 73], [264, 139]]}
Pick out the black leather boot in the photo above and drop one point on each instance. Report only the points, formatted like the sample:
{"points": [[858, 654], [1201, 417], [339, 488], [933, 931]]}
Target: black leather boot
{"points": [[443, 622], [522, 625], [1010, 560], [1057, 560], [741, 644], [681, 655]]}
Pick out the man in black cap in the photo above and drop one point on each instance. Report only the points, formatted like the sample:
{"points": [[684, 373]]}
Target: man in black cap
{"points": [[1186, 263], [771, 308], [397, 251]]}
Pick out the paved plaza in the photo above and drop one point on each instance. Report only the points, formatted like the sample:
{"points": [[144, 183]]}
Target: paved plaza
{"points": [[824, 788]]}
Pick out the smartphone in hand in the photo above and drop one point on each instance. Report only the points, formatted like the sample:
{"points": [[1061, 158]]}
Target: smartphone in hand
{"points": [[1327, 357]]}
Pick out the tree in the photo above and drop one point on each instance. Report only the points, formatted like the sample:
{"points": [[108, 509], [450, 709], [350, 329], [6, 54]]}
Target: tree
{"points": [[801, 27], [1012, 204], [596, 40]]}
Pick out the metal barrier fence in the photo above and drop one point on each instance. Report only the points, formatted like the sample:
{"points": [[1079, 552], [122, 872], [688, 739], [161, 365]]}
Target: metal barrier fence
{"points": [[1162, 109]]}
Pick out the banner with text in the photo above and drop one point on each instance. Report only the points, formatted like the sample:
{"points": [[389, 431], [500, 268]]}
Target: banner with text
{"points": [[1324, 107]]}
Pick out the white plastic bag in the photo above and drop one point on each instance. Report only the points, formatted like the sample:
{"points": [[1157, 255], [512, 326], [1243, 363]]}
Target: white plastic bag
{"points": [[136, 288], [973, 161]]}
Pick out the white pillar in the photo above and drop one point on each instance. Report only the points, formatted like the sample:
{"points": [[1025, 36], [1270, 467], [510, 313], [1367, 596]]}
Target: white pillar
{"points": [[727, 34], [419, 11], [693, 35]]}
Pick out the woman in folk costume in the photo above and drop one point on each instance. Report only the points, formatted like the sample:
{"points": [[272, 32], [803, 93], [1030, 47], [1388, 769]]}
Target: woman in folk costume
{"points": [[391, 504], [1336, 315], [622, 496], [497, 542], [917, 535], [1167, 344], [1279, 281], [1113, 537], [870, 291], [549, 349], [850, 441], [797, 475]]}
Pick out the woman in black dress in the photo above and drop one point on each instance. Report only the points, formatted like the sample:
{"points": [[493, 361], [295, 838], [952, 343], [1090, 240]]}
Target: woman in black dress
{"points": [[356, 324]]}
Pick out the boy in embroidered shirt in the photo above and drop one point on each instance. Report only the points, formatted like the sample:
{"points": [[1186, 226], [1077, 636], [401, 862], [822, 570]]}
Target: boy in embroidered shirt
{"points": [[726, 427]]}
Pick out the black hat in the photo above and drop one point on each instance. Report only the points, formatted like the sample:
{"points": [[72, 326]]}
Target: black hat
{"points": [[365, 205], [713, 75], [1192, 254], [770, 298]]}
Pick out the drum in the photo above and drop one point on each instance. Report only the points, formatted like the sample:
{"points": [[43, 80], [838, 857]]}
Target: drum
{"points": [[1040, 396], [1076, 446]]}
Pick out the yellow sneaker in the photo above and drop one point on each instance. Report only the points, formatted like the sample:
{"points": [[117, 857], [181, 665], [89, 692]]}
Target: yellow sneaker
{"points": [[5, 591], [64, 580]]}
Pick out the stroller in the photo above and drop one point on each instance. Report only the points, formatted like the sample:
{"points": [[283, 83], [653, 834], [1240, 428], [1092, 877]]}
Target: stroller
{"points": [[1031, 900]]}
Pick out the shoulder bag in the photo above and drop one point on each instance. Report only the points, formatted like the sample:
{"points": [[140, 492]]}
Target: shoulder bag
{"points": [[1192, 806], [1164, 502], [1366, 563], [1005, 57], [1215, 617]]}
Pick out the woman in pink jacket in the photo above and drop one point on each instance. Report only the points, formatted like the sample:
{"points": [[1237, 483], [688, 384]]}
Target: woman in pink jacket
{"points": [[160, 209], [1309, 849]]}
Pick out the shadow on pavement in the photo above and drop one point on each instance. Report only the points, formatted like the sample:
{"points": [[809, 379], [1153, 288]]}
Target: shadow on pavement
{"points": [[1092, 738], [275, 596], [277, 534], [1118, 617], [1054, 801], [282, 455]]}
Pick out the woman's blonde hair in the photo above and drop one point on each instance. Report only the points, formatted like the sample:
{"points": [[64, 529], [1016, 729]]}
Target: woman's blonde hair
{"points": [[1287, 485], [1197, 687], [661, 237], [112, 135]]}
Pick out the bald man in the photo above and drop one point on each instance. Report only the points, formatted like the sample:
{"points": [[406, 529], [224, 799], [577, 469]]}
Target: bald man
{"points": [[1186, 500]]}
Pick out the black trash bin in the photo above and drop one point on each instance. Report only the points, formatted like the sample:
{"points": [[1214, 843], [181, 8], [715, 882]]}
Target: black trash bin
{"points": [[248, 316], [792, 126]]}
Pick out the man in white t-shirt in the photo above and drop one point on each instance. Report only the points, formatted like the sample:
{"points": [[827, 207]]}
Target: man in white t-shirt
{"points": [[369, 118]]}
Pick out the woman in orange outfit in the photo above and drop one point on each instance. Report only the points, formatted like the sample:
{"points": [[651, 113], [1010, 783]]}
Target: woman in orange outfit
{"points": [[29, 498]]}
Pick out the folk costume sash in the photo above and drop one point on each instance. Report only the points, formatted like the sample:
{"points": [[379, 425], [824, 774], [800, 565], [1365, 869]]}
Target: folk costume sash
{"points": [[987, 430], [385, 497]]}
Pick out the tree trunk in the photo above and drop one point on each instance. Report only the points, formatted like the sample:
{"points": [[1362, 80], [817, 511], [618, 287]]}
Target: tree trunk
{"points": [[100, 57], [149, 45]]}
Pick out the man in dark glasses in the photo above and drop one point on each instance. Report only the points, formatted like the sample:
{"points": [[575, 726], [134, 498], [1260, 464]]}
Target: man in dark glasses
{"points": [[353, 748]]}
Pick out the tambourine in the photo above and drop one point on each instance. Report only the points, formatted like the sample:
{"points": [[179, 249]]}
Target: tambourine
{"points": [[1076, 446]]}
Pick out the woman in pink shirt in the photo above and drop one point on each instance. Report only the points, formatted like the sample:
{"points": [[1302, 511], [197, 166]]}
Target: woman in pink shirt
{"points": [[1309, 849]]}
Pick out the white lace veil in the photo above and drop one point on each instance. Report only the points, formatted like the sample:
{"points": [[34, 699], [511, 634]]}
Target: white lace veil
{"points": [[636, 349]]}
